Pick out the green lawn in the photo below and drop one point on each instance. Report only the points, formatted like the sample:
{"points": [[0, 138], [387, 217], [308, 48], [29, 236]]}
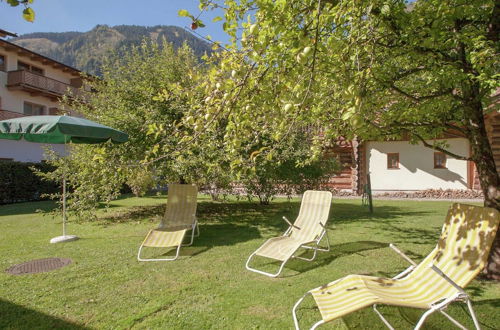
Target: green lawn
{"points": [[209, 287]]}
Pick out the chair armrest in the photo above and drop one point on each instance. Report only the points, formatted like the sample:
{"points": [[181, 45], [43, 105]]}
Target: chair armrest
{"points": [[449, 280], [290, 224], [404, 256]]}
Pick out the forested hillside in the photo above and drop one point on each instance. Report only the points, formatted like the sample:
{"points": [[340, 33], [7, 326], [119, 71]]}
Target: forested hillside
{"points": [[87, 50]]}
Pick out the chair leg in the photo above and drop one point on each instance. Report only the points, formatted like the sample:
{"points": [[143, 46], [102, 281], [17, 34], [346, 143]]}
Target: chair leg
{"points": [[158, 259], [382, 317], [317, 324], [316, 249], [197, 229], [327, 244], [473, 315], [308, 259], [294, 314], [422, 319], [455, 322], [193, 235], [247, 266]]}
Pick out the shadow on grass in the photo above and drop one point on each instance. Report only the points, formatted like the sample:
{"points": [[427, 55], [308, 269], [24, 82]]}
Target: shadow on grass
{"points": [[271, 215], [491, 304], [410, 316], [136, 213], [322, 258], [242, 220], [18, 317], [49, 205], [26, 208], [457, 310], [211, 235]]}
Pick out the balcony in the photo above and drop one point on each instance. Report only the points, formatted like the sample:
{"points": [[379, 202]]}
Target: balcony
{"points": [[36, 84]]}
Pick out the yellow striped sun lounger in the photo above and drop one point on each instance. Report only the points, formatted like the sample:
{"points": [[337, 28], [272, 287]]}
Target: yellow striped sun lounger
{"points": [[180, 216], [307, 232], [461, 253]]}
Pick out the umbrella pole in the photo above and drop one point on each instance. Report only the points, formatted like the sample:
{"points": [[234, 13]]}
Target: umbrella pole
{"points": [[64, 237], [64, 204]]}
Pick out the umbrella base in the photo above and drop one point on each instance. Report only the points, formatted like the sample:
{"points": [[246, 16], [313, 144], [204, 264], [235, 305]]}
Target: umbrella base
{"points": [[65, 238]]}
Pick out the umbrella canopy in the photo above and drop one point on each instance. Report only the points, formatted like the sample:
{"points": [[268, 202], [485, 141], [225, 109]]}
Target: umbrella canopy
{"points": [[59, 130]]}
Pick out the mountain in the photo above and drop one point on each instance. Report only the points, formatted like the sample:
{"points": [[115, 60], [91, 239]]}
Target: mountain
{"points": [[87, 50]]}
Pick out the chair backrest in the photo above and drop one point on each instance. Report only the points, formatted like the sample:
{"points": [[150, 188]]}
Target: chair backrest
{"points": [[463, 248], [181, 205], [314, 209]]}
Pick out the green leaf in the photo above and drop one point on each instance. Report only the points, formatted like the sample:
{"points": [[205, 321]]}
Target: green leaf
{"points": [[183, 13], [385, 10], [13, 3], [29, 14], [216, 19]]}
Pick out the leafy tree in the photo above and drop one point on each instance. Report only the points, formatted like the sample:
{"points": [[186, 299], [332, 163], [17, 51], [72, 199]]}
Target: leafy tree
{"points": [[28, 12], [142, 93], [374, 69]]}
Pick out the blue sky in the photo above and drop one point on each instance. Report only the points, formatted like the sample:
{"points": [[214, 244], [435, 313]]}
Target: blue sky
{"points": [[83, 15]]}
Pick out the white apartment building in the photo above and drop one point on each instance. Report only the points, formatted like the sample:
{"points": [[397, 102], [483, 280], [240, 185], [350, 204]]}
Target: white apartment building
{"points": [[30, 84]]}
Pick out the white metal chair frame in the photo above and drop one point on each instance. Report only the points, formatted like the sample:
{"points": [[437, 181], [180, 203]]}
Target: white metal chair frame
{"points": [[439, 305], [315, 248], [194, 227]]}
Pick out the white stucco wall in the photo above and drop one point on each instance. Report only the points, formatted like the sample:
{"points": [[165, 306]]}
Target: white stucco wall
{"points": [[14, 100], [416, 166], [23, 151]]}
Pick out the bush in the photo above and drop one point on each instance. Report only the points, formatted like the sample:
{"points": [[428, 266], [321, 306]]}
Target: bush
{"points": [[140, 180], [286, 178], [19, 183]]}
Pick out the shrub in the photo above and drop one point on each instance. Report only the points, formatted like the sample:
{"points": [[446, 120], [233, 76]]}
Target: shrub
{"points": [[286, 178], [19, 183], [140, 180]]}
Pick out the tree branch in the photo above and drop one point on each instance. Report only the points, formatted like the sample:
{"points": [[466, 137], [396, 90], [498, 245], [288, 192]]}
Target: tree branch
{"points": [[420, 98], [444, 151]]}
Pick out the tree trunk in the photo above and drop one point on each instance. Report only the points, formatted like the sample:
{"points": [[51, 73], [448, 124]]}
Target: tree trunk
{"points": [[482, 156]]}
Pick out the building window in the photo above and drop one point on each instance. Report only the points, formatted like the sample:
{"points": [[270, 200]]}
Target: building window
{"points": [[3, 64], [54, 112], [29, 67], [439, 160], [32, 109], [393, 160]]}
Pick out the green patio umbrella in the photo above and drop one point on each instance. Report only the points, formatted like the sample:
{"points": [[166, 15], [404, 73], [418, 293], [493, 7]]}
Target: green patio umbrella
{"points": [[59, 130]]}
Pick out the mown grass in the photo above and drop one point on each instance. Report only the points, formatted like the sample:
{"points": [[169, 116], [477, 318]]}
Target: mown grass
{"points": [[209, 287]]}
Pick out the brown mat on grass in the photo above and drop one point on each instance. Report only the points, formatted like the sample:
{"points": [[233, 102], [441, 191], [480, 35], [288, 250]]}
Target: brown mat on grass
{"points": [[38, 266]]}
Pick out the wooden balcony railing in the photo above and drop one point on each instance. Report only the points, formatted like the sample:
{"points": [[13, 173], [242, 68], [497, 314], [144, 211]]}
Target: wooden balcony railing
{"points": [[37, 84]]}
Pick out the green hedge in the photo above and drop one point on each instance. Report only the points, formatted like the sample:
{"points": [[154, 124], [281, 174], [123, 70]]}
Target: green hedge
{"points": [[18, 183]]}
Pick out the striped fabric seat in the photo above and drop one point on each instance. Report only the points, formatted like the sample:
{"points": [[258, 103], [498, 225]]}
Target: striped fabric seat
{"points": [[180, 216], [309, 228], [181, 207], [162, 238], [279, 248], [461, 253]]}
